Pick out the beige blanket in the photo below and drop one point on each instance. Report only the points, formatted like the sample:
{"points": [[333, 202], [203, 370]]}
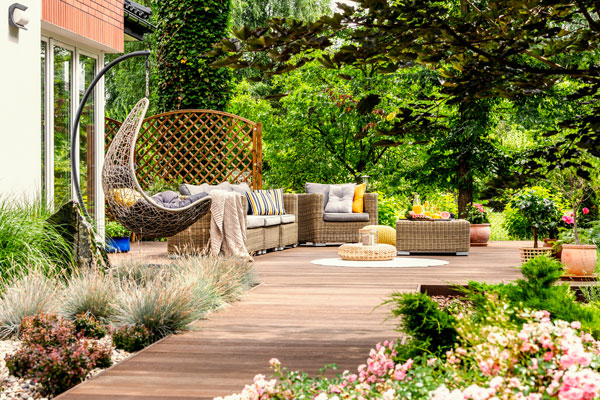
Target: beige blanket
{"points": [[227, 230]]}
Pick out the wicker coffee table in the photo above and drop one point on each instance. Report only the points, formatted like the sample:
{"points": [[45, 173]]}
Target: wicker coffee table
{"points": [[433, 236], [359, 252]]}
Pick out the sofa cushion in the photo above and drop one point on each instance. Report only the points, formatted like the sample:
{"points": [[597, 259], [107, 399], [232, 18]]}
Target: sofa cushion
{"points": [[358, 202], [318, 188], [189, 190], [170, 199], [346, 217], [271, 220], [340, 198], [288, 218], [266, 202], [255, 221]]}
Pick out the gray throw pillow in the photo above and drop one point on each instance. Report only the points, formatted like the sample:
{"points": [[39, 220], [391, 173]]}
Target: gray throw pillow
{"points": [[318, 188], [190, 190], [340, 198], [241, 188]]}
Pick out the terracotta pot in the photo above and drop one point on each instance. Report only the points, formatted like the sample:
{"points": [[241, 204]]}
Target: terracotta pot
{"points": [[579, 259], [480, 234]]}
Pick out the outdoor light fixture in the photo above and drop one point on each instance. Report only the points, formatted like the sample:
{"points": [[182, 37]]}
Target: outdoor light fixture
{"points": [[17, 16], [365, 180]]}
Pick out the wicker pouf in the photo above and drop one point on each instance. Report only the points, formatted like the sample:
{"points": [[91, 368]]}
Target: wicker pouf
{"points": [[385, 234], [359, 252]]}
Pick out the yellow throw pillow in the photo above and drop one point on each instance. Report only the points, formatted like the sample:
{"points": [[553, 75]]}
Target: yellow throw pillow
{"points": [[125, 196], [359, 194]]}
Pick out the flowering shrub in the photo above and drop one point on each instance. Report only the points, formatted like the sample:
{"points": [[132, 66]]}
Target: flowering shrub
{"points": [[54, 355], [476, 214], [131, 338], [512, 354]]}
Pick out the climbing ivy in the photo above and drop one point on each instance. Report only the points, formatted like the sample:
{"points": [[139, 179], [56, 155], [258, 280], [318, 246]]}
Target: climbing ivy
{"points": [[186, 31]]}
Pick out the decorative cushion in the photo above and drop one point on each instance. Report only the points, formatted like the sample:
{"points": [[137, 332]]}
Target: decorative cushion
{"points": [[170, 199], [188, 190], [266, 202], [358, 202], [241, 188], [385, 234], [340, 198], [288, 218], [255, 221], [125, 196], [346, 217], [318, 188]]}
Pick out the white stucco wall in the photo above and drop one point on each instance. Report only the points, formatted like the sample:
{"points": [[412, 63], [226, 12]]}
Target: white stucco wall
{"points": [[20, 104]]}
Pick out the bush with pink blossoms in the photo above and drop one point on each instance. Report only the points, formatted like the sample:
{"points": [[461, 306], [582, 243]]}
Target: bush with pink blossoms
{"points": [[508, 353]]}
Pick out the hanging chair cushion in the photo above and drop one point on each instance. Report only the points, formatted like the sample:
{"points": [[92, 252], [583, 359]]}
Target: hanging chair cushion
{"points": [[171, 199]]}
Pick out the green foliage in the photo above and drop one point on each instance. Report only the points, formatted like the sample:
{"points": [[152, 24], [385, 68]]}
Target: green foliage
{"points": [[27, 239], [390, 209], [476, 214], [53, 355], [185, 31], [88, 326], [431, 329], [160, 185], [539, 291], [256, 13], [532, 210], [114, 229], [131, 338]]}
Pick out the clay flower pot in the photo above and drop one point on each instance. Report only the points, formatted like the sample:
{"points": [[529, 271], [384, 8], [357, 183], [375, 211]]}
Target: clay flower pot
{"points": [[480, 234], [579, 259]]}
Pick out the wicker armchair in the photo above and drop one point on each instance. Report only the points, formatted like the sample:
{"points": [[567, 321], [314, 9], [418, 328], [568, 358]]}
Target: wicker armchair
{"points": [[313, 228]]}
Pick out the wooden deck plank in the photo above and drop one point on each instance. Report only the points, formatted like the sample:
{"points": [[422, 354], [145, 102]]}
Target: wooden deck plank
{"points": [[305, 315]]}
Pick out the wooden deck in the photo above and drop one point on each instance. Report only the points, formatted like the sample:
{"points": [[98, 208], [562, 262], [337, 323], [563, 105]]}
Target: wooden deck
{"points": [[303, 314]]}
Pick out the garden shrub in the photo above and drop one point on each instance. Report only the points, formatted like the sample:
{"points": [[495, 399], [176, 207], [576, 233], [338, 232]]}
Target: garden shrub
{"points": [[131, 338], [185, 31], [390, 209], [88, 326], [89, 292], [539, 291], [431, 329], [53, 355], [27, 295]]}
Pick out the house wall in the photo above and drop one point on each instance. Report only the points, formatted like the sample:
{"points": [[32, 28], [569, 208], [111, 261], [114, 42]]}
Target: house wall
{"points": [[99, 21], [20, 104]]}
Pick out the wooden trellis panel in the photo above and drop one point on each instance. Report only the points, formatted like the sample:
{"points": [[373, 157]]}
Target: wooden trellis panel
{"points": [[196, 146]]}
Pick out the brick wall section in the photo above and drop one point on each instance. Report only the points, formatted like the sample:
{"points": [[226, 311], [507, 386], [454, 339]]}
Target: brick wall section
{"points": [[98, 20]]}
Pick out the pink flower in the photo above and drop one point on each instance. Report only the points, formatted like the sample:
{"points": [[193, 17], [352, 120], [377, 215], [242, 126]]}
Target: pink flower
{"points": [[586, 210], [567, 219], [575, 324], [273, 362]]}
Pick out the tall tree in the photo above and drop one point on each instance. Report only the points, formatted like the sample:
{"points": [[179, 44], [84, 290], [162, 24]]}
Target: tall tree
{"points": [[255, 13], [186, 30]]}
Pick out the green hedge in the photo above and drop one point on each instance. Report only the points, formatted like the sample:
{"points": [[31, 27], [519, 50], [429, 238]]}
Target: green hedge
{"points": [[186, 30]]}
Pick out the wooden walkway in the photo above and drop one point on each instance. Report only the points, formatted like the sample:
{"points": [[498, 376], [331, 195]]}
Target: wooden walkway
{"points": [[303, 314]]}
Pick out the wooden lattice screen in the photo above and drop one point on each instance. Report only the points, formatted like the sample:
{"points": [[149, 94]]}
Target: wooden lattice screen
{"points": [[196, 146]]}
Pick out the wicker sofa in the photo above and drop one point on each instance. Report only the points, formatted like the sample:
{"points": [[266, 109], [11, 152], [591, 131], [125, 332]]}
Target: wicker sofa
{"points": [[317, 227], [262, 232]]}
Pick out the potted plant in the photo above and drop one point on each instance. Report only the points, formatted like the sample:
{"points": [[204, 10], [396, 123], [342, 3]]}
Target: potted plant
{"points": [[579, 258], [117, 238], [540, 214], [480, 225]]}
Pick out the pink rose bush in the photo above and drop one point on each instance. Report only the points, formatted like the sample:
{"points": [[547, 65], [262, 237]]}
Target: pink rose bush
{"points": [[511, 354]]}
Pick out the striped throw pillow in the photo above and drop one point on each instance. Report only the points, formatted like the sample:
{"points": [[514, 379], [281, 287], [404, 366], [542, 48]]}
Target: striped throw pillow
{"points": [[266, 202]]}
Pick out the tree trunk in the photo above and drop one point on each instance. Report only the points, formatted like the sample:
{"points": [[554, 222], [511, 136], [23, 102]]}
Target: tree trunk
{"points": [[535, 244], [465, 187], [575, 232]]}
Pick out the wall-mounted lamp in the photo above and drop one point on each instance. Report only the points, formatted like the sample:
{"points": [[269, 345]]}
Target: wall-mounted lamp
{"points": [[17, 16]]}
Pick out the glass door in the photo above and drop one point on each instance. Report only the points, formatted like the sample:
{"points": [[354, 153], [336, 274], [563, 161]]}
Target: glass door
{"points": [[87, 133], [63, 98]]}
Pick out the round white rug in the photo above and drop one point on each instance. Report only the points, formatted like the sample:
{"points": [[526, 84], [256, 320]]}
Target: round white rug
{"points": [[398, 262]]}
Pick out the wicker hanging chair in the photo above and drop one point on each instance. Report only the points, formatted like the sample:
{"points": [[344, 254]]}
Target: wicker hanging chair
{"points": [[127, 201]]}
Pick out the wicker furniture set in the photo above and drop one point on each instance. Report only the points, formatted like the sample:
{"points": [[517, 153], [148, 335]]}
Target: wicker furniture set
{"points": [[306, 222]]}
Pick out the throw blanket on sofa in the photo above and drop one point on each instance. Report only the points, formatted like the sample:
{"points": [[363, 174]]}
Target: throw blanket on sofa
{"points": [[227, 230]]}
